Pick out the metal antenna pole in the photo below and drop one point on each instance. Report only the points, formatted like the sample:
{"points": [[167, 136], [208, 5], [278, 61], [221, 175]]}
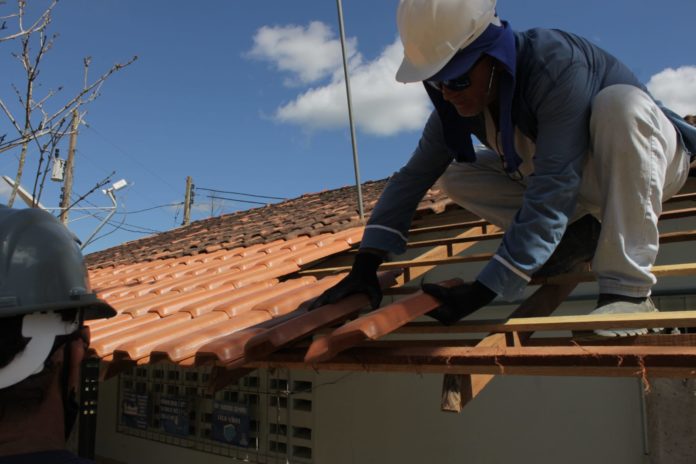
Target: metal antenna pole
{"points": [[356, 167]]}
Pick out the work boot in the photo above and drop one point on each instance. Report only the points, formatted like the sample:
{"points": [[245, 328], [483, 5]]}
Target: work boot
{"points": [[624, 305], [577, 245]]}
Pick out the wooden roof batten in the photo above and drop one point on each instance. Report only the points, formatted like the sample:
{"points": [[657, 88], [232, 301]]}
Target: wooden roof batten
{"points": [[508, 349]]}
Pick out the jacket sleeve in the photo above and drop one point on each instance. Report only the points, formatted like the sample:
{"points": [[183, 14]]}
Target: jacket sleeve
{"points": [[562, 106], [387, 228]]}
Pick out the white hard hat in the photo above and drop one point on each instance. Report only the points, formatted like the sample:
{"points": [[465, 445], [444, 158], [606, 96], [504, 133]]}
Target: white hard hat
{"points": [[433, 31]]}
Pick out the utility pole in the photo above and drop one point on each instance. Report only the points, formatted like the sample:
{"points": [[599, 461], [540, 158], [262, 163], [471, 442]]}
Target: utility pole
{"points": [[68, 182], [187, 201]]}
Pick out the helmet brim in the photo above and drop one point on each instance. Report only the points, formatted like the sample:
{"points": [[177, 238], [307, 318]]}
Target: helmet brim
{"points": [[94, 309]]}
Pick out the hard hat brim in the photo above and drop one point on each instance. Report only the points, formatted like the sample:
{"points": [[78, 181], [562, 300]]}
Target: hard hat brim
{"points": [[95, 309], [408, 72]]}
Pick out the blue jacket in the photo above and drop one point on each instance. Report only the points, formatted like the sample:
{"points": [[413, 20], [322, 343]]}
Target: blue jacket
{"points": [[558, 76]]}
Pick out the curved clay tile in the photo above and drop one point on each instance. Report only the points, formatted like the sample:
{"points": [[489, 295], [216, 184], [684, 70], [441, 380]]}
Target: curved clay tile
{"points": [[246, 302], [187, 346], [120, 327], [209, 299], [249, 277], [321, 252], [290, 300], [173, 303], [108, 344], [306, 323], [143, 345], [96, 324], [374, 325]]}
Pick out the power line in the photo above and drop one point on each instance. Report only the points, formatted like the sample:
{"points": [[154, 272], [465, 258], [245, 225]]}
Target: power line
{"points": [[150, 209], [120, 226], [214, 197], [239, 193], [174, 189]]}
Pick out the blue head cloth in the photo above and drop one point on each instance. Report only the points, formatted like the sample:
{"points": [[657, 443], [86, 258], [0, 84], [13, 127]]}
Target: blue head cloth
{"points": [[498, 42]]}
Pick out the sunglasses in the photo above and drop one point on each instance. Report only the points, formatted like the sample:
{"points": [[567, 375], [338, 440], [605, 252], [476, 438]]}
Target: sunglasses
{"points": [[458, 83]]}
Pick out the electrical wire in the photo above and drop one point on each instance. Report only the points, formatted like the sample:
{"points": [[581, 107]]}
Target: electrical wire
{"points": [[239, 193], [151, 208], [154, 174], [126, 227], [236, 199]]}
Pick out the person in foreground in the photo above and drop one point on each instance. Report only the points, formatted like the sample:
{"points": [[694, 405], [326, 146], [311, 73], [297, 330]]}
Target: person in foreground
{"points": [[578, 159], [44, 298]]}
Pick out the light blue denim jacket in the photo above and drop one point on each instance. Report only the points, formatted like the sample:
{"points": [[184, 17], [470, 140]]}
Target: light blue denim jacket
{"points": [[558, 76]]}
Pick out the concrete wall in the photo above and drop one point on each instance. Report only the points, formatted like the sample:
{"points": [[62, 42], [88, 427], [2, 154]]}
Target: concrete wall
{"points": [[671, 407], [396, 418], [114, 447]]}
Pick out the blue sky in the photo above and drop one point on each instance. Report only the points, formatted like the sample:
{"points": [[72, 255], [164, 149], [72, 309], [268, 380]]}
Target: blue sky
{"points": [[247, 96]]}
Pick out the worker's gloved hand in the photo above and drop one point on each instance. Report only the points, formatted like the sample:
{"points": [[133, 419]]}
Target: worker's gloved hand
{"points": [[361, 279], [458, 301]]}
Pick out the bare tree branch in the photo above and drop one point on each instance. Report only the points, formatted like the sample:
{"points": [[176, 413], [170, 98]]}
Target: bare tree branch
{"points": [[49, 124], [39, 25], [77, 100]]}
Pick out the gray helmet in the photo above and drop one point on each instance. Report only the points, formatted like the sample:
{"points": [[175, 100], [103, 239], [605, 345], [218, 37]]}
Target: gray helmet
{"points": [[42, 274]]}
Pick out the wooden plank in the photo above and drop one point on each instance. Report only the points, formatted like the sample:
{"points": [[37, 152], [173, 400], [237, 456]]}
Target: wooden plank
{"points": [[670, 270], [428, 260], [575, 360], [456, 393], [678, 214], [437, 257], [542, 302], [549, 323], [673, 237], [443, 228], [682, 197], [416, 263], [452, 241]]}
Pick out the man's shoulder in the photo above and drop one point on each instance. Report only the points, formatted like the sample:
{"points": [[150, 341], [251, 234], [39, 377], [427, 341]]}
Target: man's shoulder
{"points": [[45, 457], [549, 45]]}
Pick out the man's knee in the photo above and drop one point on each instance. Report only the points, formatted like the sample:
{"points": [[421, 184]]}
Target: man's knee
{"points": [[618, 108], [449, 182]]}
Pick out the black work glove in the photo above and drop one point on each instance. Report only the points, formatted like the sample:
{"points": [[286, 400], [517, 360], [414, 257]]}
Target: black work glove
{"points": [[361, 279], [458, 301]]}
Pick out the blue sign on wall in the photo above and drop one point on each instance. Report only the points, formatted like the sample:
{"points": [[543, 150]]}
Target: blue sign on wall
{"points": [[134, 409], [230, 424], [174, 415]]}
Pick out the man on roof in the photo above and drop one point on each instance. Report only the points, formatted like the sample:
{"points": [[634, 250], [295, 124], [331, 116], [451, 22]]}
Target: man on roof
{"points": [[44, 299], [577, 158]]}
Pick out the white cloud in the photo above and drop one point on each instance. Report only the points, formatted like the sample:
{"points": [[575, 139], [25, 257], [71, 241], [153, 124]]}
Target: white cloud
{"points": [[310, 53], [381, 106], [676, 88]]}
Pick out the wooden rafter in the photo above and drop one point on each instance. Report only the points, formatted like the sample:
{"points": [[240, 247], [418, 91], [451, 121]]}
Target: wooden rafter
{"points": [[488, 361]]}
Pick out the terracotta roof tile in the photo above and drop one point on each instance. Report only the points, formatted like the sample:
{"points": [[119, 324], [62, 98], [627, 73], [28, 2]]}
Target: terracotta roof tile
{"points": [[197, 294], [214, 299], [170, 330], [313, 214], [269, 340], [287, 302], [373, 325], [230, 348], [186, 347], [245, 303], [110, 343]]}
